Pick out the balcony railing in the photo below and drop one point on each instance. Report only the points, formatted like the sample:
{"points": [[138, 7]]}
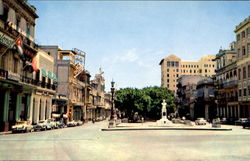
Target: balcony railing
{"points": [[230, 84]]}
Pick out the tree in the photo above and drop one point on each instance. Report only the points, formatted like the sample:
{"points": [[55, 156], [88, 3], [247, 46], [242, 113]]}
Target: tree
{"points": [[146, 102]]}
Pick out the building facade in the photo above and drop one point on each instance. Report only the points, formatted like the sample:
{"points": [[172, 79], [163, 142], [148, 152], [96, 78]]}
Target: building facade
{"points": [[242, 47], [186, 95], [41, 99], [173, 67], [17, 50], [227, 84]]}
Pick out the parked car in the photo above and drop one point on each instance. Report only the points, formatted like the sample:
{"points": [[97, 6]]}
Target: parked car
{"points": [[43, 125], [60, 124], [200, 121], [71, 124], [22, 126], [240, 121], [245, 123], [79, 123], [53, 123], [223, 120]]}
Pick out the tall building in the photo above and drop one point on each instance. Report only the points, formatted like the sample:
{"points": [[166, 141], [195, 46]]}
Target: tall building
{"points": [[242, 46], [173, 67], [227, 84], [17, 50]]}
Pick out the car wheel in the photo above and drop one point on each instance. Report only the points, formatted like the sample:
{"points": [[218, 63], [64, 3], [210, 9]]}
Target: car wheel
{"points": [[244, 127]]}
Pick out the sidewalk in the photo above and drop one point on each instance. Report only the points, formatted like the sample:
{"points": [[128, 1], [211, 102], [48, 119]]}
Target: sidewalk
{"points": [[5, 133], [153, 126]]}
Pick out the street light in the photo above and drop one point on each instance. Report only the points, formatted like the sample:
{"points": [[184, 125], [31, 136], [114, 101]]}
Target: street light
{"points": [[112, 116]]}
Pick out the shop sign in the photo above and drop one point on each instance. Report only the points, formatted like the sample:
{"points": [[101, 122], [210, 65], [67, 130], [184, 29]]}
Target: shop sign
{"points": [[13, 76], [6, 40]]}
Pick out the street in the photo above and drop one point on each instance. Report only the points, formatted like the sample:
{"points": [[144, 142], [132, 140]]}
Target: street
{"points": [[88, 142]]}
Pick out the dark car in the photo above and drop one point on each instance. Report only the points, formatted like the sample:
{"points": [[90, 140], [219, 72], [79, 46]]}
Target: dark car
{"points": [[60, 124], [245, 123]]}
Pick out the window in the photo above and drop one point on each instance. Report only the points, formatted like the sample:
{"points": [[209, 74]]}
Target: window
{"points": [[197, 66], [167, 70], [167, 75], [248, 69], [177, 75], [248, 31], [243, 50], [205, 70], [168, 63], [244, 73], [15, 65], [238, 37], [177, 70], [245, 92], [168, 85], [172, 64], [248, 48], [239, 92], [191, 66], [239, 74], [194, 71], [238, 52], [190, 71], [5, 14], [248, 91], [176, 64], [168, 80], [213, 66], [243, 34], [200, 71]]}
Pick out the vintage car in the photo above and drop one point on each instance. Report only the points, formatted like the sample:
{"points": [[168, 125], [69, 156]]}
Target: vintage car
{"points": [[22, 126], [43, 125], [60, 124], [245, 123], [53, 123], [240, 121], [200, 121], [71, 124]]}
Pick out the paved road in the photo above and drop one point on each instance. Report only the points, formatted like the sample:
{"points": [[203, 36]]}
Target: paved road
{"points": [[88, 142]]}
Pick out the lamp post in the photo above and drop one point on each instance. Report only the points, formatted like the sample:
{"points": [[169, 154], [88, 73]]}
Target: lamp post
{"points": [[112, 116]]}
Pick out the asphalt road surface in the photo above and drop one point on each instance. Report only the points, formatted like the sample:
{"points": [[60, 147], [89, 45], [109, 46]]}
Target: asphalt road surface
{"points": [[88, 143]]}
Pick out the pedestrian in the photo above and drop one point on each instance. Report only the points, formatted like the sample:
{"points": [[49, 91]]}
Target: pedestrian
{"points": [[93, 120]]}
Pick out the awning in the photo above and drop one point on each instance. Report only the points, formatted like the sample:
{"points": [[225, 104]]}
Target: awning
{"points": [[55, 115], [54, 77], [50, 76], [44, 73]]}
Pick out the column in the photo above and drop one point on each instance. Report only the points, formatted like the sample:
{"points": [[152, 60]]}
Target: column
{"points": [[28, 103], [43, 109], [18, 105], [206, 112], [6, 106], [37, 109], [49, 108]]}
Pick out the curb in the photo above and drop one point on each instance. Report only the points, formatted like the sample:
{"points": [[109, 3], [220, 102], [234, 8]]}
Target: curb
{"points": [[199, 129], [5, 133]]}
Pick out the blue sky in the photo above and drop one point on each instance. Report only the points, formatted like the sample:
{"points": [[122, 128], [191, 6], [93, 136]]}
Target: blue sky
{"points": [[129, 38]]}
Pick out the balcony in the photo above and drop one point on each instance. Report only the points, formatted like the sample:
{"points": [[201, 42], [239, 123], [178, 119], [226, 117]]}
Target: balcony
{"points": [[3, 73], [230, 84]]}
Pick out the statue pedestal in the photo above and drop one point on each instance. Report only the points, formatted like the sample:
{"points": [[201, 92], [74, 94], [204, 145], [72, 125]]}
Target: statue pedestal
{"points": [[164, 120]]}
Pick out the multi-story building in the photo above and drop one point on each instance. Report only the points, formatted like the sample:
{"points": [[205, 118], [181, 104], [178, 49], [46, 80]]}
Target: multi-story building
{"points": [[46, 81], [227, 84], [173, 67], [98, 111], [17, 50], [242, 47], [205, 105], [69, 67], [186, 95]]}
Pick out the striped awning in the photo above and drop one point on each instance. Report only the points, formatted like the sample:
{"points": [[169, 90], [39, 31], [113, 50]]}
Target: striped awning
{"points": [[50, 76], [44, 73]]}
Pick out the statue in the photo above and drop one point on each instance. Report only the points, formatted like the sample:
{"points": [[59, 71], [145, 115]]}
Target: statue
{"points": [[164, 120]]}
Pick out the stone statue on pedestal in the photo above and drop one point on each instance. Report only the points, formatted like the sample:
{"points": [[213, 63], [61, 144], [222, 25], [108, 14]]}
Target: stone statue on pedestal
{"points": [[164, 120]]}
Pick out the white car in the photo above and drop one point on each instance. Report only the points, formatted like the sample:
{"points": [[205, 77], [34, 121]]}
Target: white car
{"points": [[22, 126], [200, 121]]}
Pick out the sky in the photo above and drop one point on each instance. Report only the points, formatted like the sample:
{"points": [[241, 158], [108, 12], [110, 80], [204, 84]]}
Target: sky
{"points": [[128, 39]]}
